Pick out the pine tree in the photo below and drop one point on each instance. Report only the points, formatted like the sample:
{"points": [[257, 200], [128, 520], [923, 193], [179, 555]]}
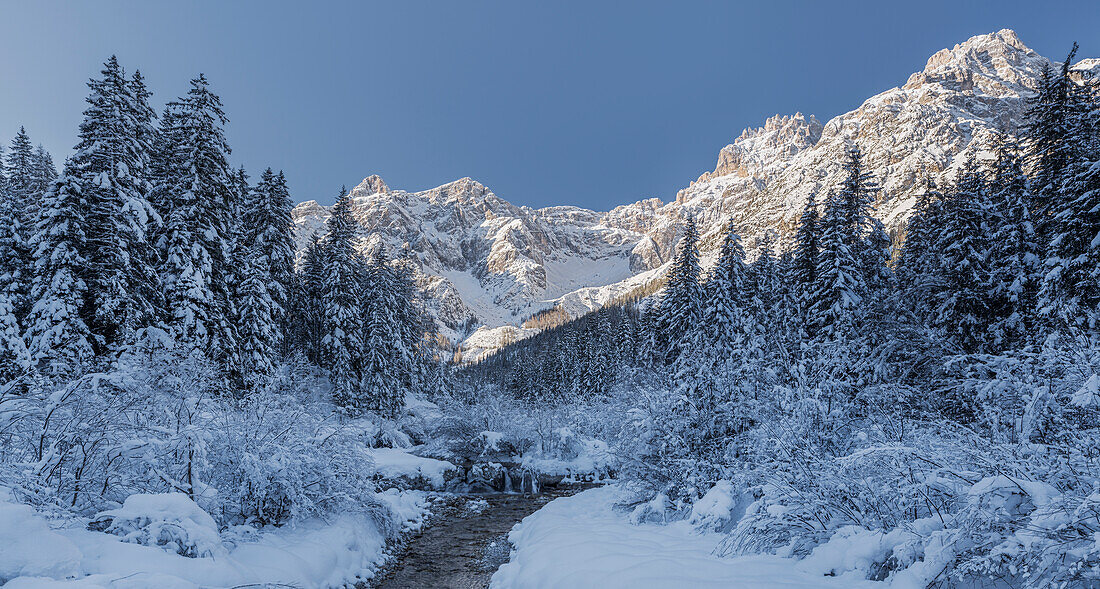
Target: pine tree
{"points": [[269, 232], [18, 207], [725, 317], [15, 360], [256, 327], [340, 295], [839, 291], [308, 323], [385, 357], [196, 191], [729, 343], [1048, 126], [807, 244], [764, 283], [962, 306], [681, 304], [1071, 284], [1015, 256], [58, 339], [15, 273], [919, 264], [23, 182], [44, 172], [111, 164]]}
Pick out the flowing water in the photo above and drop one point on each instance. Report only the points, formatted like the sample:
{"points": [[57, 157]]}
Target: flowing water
{"points": [[465, 543]]}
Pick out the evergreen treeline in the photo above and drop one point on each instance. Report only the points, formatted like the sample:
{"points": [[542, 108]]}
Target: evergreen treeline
{"points": [[149, 239], [1000, 261]]}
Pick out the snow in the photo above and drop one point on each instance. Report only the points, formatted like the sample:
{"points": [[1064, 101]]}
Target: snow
{"points": [[312, 553], [583, 541], [1089, 393], [172, 520], [715, 510], [30, 547], [395, 463]]}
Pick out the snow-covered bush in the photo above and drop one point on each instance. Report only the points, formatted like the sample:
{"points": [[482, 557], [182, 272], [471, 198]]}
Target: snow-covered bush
{"points": [[170, 520], [157, 422]]}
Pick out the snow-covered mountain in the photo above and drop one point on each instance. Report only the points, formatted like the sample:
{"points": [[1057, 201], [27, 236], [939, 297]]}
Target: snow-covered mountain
{"points": [[485, 262]]}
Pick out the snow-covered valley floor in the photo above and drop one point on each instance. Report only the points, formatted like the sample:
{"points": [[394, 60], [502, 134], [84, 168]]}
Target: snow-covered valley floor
{"points": [[584, 541]]}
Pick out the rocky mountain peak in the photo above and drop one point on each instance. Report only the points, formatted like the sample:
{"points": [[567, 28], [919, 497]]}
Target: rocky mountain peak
{"points": [[780, 138], [372, 184], [995, 64]]}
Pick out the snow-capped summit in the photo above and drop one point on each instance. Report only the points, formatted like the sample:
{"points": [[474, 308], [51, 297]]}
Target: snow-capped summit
{"points": [[485, 261], [997, 64]]}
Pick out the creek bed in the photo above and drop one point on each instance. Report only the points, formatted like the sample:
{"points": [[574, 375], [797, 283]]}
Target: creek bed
{"points": [[466, 541]]}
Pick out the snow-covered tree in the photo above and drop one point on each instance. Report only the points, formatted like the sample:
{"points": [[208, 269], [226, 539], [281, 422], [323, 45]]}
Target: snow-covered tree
{"points": [[58, 339], [682, 301], [962, 304], [342, 303], [111, 165], [196, 192], [807, 244], [307, 308], [1071, 283], [257, 330], [15, 360], [839, 290], [1014, 255], [269, 233], [385, 358]]}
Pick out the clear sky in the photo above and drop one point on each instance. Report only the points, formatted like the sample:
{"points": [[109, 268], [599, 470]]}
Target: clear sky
{"points": [[586, 103]]}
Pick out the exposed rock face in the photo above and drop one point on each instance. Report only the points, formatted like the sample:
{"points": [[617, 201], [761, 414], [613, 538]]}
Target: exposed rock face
{"points": [[482, 259], [756, 150]]}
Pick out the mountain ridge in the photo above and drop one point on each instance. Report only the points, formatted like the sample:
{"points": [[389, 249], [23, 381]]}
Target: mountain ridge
{"points": [[483, 261]]}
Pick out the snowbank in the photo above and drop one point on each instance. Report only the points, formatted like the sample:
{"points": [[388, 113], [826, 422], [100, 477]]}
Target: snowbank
{"points": [[29, 547], [395, 463], [583, 541], [313, 553]]}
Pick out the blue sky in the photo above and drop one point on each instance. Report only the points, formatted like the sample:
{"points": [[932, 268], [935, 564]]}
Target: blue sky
{"points": [[586, 103]]}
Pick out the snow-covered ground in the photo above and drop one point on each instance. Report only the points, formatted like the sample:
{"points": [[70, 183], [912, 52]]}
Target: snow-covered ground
{"points": [[317, 552], [584, 541]]}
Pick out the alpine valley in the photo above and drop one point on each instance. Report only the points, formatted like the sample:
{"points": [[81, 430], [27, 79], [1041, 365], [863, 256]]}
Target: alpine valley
{"points": [[486, 265]]}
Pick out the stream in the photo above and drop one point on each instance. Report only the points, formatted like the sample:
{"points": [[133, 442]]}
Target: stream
{"points": [[465, 543]]}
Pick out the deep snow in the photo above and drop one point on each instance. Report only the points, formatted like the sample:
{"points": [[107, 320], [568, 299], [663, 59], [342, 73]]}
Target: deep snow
{"points": [[585, 541]]}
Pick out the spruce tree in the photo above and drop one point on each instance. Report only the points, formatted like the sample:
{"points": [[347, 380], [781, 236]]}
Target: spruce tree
{"points": [[256, 327], [308, 322], [919, 264], [681, 304], [44, 172], [1071, 283], [1048, 122], [269, 233], [839, 290], [111, 164], [962, 305], [1014, 256], [807, 244], [341, 300], [196, 193], [15, 360], [59, 341], [22, 169], [16, 271], [385, 359]]}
